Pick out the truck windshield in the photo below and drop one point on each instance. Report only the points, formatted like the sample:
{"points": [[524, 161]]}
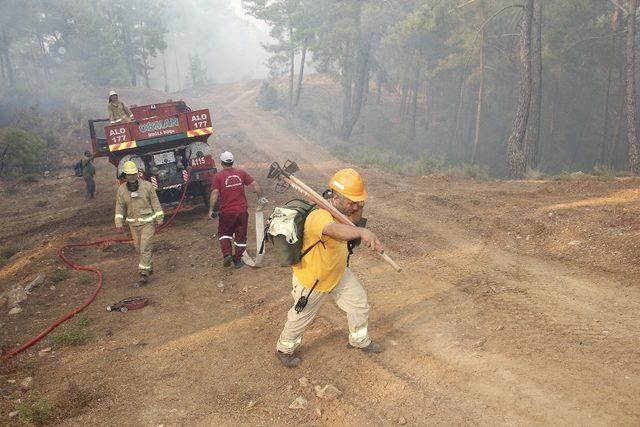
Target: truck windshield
{"points": [[96, 127]]}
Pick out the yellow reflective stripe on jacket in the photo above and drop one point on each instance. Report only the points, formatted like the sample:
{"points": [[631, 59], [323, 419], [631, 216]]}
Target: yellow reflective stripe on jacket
{"points": [[119, 216], [147, 219], [143, 267]]}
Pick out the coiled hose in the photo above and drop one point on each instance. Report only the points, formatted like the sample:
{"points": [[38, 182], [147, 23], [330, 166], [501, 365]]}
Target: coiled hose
{"points": [[91, 268]]}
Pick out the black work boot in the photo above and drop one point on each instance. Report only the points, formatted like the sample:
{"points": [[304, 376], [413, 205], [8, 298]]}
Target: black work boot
{"points": [[228, 260], [142, 280], [239, 263], [288, 360], [372, 348]]}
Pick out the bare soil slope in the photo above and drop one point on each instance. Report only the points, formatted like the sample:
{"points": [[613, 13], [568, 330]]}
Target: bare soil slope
{"points": [[518, 303]]}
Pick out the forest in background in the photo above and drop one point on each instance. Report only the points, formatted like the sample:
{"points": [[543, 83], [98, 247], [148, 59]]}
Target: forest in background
{"points": [[518, 88], [54, 54], [513, 88]]}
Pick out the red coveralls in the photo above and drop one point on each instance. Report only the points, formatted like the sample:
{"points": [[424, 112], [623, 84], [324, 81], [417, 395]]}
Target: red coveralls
{"points": [[233, 215]]}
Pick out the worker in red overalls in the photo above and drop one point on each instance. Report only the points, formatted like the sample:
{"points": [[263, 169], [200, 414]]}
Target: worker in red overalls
{"points": [[233, 216]]}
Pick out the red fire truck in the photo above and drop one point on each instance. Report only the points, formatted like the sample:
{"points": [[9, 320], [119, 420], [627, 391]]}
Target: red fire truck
{"points": [[168, 143]]}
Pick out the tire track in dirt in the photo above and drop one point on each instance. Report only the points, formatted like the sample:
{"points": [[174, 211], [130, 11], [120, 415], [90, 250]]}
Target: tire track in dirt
{"points": [[548, 302], [473, 333]]}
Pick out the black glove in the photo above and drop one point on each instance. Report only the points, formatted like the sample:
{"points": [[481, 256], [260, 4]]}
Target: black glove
{"points": [[356, 242]]}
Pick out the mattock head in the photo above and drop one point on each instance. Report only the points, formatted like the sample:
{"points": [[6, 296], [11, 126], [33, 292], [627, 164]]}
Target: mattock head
{"points": [[290, 167], [278, 173], [275, 171]]}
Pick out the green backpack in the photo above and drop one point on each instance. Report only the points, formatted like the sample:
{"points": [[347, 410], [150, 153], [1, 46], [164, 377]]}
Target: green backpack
{"points": [[285, 229]]}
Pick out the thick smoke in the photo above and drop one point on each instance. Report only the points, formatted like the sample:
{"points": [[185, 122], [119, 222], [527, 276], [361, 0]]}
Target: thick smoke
{"points": [[227, 43]]}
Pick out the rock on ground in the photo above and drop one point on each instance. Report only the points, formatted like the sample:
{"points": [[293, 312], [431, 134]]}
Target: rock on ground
{"points": [[39, 280], [26, 383], [299, 403], [304, 382], [15, 310], [327, 392]]}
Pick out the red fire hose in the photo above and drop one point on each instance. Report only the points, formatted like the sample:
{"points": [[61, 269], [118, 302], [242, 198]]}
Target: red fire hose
{"points": [[95, 270]]}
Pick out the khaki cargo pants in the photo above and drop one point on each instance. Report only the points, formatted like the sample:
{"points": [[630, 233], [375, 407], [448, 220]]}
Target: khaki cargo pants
{"points": [[142, 236], [349, 295]]}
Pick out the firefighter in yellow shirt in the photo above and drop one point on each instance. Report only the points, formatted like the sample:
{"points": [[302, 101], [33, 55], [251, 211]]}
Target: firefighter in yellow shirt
{"points": [[324, 271], [117, 111], [137, 203]]}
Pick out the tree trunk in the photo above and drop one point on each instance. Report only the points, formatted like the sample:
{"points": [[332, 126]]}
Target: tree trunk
{"points": [[427, 99], [346, 81], [365, 96], [164, 68], [178, 72], [414, 104], [193, 74], [476, 138], [515, 145], [532, 135], [378, 88], [2, 70], [554, 112], [301, 75], [407, 101], [632, 133], [7, 58], [607, 87], [362, 68], [145, 62], [129, 56], [45, 57], [292, 58], [403, 98], [455, 124], [618, 128]]}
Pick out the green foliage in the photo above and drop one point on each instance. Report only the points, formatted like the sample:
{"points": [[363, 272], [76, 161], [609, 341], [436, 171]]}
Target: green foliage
{"points": [[434, 47], [100, 42], [19, 152], [197, 72], [6, 253], [268, 97], [534, 174], [425, 164], [59, 275], [467, 171], [71, 333], [36, 410]]}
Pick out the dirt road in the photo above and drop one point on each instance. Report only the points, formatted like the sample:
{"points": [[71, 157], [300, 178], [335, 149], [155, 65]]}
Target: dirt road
{"points": [[518, 304]]}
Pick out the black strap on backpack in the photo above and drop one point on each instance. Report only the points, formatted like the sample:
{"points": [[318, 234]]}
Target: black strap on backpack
{"points": [[306, 251]]}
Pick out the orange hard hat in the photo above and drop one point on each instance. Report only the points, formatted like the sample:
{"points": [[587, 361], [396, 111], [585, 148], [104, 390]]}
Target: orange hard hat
{"points": [[348, 183]]}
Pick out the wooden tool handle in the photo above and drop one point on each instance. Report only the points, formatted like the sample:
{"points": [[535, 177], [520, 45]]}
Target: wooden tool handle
{"points": [[393, 264]]}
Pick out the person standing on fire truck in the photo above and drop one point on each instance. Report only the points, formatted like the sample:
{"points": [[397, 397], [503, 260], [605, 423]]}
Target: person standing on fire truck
{"points": [[117, 111], [138, 204], [233, 218]]}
